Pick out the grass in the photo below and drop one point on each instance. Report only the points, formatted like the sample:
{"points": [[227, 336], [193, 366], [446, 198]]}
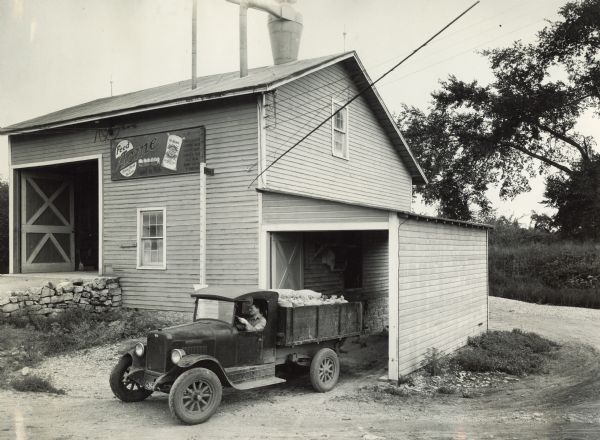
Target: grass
{"points": [[26, 341], [562, 273], [518, 353], [35, 384]]}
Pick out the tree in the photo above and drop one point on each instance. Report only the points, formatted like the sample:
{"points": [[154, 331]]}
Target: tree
{"points": [[521, 125]]}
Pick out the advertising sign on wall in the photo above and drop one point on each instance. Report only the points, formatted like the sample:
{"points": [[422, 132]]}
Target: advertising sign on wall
{"points": [[158, 154]]}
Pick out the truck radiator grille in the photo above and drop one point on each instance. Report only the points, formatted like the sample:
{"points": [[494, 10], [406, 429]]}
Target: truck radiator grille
{"points": [[156, 353]]}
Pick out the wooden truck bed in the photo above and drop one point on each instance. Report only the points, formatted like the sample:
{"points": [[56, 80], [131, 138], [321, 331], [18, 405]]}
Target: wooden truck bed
{"points": [[307, 324]]}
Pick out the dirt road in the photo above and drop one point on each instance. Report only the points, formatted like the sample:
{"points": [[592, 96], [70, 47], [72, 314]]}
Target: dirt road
{"points": [[562, 404]]}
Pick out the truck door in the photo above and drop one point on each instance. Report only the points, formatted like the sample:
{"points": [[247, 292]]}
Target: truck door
{"points": [[250, 348]]}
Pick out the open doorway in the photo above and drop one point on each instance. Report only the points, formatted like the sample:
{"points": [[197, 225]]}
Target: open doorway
{"points": [[352, 263], [59, 226]]}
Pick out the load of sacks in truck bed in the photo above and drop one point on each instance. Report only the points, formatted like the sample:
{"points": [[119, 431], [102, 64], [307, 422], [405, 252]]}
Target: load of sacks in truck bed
{"points": [[305, 297]]}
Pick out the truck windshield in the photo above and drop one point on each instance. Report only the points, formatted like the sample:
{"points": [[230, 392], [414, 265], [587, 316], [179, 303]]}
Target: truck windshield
{"points": [[214, 309]]}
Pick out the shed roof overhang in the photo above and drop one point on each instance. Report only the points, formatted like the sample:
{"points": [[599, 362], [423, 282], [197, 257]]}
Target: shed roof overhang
{"points": [[401, 213]]}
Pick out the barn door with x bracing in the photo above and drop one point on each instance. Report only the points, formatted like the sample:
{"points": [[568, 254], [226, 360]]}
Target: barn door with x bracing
{"points": [[287, 261], [47, 211]]}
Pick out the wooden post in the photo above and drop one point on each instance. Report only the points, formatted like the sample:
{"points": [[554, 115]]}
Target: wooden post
{"points": [[393, 294], [243, 38], [194, 10]]}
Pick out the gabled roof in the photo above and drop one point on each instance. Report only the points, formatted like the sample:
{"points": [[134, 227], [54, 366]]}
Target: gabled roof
{"points": [[221, 86]]}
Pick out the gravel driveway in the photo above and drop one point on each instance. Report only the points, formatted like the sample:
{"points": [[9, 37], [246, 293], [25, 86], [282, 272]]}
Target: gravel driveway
{"points": [[562, 404]]}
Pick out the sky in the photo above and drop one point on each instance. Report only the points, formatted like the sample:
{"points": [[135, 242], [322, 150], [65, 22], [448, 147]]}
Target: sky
{"points": [[59, 53]]}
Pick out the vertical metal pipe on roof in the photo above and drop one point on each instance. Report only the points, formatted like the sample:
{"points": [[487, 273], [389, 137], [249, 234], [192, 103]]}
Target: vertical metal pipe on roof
{"points": [[243, 38], [194, 10]]}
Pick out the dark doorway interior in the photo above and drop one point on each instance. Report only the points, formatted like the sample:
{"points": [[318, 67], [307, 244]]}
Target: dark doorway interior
{"points": [[85, 178]]}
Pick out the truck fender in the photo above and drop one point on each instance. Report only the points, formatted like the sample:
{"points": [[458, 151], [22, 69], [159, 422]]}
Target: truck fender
{"points": [[136, 371], [203, 361]]}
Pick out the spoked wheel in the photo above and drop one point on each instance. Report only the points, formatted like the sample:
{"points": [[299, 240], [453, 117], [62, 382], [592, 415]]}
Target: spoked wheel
{"points": [[195, 396], [324, 370], [122, 386]]}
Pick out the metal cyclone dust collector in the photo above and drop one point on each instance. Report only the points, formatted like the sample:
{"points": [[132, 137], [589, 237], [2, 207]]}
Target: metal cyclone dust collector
{"points": [[285, 29]]}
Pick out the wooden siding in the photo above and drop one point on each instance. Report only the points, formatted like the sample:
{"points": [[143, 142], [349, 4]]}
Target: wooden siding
{"points": [[287, 209], [374, 175], [317, 275], [442, 288], [232, 211], [375, 280]]}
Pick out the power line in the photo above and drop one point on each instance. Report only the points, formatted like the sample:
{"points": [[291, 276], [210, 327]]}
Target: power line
{"points": [[296, 98], [362, 91], [460, 53]]}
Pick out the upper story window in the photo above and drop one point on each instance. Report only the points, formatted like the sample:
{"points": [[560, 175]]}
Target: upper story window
{"points": [[339, 131], [152, 238]]}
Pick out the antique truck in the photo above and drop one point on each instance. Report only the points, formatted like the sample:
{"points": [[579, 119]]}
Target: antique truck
{"points": [[193, 362]]}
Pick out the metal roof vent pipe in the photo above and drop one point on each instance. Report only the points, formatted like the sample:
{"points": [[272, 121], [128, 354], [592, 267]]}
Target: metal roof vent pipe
{"points": [[285, 30]]}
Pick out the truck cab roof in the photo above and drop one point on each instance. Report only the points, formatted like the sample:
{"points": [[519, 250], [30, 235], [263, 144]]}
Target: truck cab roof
{"points": [[234, 293]]}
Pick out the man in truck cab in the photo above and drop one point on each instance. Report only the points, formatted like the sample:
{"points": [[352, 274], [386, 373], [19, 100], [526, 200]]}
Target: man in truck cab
{"points": [[256, 322]]}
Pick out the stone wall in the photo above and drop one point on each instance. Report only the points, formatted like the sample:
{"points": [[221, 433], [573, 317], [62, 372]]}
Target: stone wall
{"points": [[97, 295]]}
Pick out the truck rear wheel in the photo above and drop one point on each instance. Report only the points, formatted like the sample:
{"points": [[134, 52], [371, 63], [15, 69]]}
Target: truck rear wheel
{"points": [[324, 370], [124, 388], [195, 396]]}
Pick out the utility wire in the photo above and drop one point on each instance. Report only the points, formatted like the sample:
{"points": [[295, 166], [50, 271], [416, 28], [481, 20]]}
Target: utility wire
{"points": [[461, 53], [443, 50], [362, 91]]}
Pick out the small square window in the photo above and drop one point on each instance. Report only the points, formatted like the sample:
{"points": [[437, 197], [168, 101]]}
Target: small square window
{"points": [[151, 238], [339, 131]]}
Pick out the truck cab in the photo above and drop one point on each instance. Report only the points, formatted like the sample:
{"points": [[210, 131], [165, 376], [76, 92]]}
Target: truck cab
{"points": [[192, 362]]}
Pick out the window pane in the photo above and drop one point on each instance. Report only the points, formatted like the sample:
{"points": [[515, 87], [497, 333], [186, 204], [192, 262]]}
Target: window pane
{"points": [[339, 121], [152, 252], [152, 224], [339, 143], [151, 240]]}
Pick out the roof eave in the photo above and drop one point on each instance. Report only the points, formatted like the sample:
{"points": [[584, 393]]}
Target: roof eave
{"points": [[22, 129], [418, 176], [132, 110]]}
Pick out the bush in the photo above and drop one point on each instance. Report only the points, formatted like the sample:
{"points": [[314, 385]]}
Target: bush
{"points": [[76, 329], [560, 273], [27, 341], [35, 384], [406, 380], [517, 352], [446, 390], [434, 362]]}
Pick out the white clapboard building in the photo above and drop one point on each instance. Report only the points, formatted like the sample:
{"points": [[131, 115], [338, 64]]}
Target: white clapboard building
{"points": [[159, 188]]}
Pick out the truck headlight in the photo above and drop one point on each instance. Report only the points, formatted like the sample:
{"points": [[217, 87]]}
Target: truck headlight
{"points": [[139, 349], [176, 355]]}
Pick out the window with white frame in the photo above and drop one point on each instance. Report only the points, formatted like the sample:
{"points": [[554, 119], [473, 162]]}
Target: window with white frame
{"points": [[339, 131], [152, 238]]}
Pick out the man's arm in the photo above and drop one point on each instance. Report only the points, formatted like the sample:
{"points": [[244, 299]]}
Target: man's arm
{"points": [[260, 325]]}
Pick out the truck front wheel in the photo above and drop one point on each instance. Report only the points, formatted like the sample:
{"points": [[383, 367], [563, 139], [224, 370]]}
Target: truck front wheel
{"points": [[195, 396], [324, 370], [122, 386]]}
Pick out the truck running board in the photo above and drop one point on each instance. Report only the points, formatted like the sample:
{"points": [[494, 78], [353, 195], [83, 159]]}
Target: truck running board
{"points": [[257, 383]]}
